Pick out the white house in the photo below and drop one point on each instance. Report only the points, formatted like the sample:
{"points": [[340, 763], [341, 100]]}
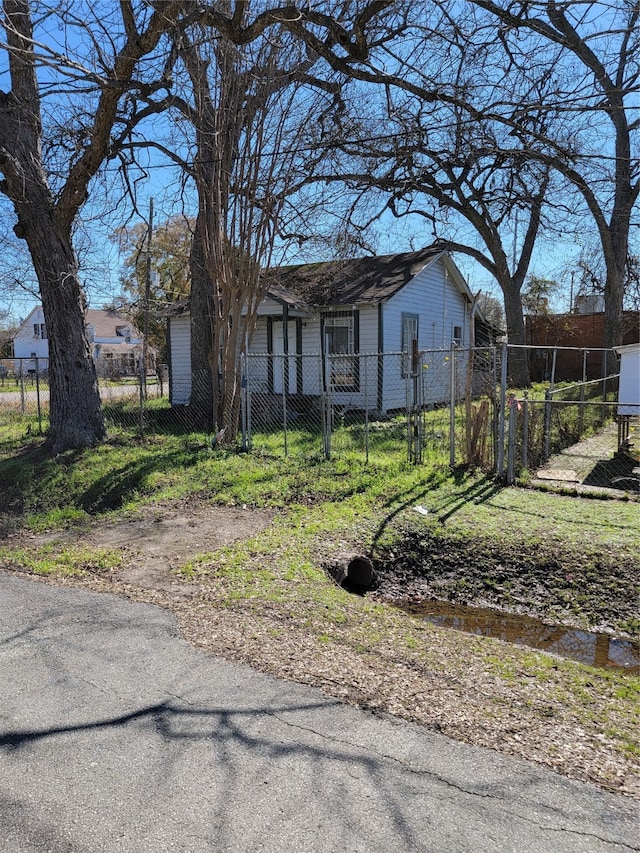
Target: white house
{"points": [[30, 340], [629, 385], [116, 343], [340, 311]]}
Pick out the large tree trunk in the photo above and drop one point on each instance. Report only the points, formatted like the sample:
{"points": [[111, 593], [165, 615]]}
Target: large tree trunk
{"points": [[518, 367], [76, 419], [46, 222], [75, 413], [616, 265], [614, 299]]}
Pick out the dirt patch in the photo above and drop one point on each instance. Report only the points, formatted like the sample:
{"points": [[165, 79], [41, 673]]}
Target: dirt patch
{"points": [[542, 580], [157, 542]]}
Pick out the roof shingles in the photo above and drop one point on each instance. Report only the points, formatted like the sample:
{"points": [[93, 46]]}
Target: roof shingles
{"points": [[348, 282]]}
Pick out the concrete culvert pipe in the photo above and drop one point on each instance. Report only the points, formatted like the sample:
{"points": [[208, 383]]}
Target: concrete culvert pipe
{"points": [[360, 571], [352, 571]]}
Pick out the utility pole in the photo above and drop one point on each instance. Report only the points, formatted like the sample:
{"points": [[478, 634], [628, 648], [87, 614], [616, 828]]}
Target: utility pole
{"points": [[147, 299], [145, 325]]}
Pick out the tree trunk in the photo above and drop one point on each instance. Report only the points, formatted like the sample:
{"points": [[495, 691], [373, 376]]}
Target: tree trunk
{"points": [[76, 419], [231, 374], [518, 367], [202, 323], [74, 401], [614, 303]]}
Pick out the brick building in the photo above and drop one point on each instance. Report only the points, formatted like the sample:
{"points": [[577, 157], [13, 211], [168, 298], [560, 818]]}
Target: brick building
{"points": [[583, 331]]}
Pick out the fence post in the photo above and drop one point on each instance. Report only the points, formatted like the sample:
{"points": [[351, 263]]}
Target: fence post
{"points": [[285, 377], [22, 396], [366, 411], [243, 400], [468, 408], [511, 440], [603, 409], [414, 438], [553, 368], [581, 407], [524, 454], [326, 412], [452, 405], [501, 411], [406, 370], [141, 379], [249, 407], [325, 376], [38, 396], [547, 426]]}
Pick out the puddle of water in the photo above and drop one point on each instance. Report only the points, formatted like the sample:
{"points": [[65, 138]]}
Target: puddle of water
{"points": [[603, 650]]}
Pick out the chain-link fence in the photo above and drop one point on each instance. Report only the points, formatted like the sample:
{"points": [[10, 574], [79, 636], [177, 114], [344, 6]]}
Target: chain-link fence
{"points": [[397, 403], [450, 407], [126, 399], [24, 392], [570, 434]]}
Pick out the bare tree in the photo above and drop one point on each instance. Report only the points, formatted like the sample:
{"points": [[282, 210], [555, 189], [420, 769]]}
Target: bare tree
{"points": [[46, 203], [428, 151], [556, 85], [249, 106], [597, 45], [248, 119]]}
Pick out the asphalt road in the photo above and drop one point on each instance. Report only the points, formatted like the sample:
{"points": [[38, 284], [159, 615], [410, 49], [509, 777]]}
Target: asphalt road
{"points": [[116, 735], [107, 393]]}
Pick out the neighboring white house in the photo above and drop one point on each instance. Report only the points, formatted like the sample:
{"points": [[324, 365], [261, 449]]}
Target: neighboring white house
{"points": [[629, 386], [30, 340], [116, 344], [344, 309]]}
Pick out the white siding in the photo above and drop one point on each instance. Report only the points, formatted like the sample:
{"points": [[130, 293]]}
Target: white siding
{"points": [[270, 308], [180, 348], [257, 364], [434, 297], [279, 359], [440, 306], [25, 343], [311, 364], [629, 390], [369, 329], [259, 341]]}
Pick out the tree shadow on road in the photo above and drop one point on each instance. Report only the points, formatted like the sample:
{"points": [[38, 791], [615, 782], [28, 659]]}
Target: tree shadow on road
{"points": [[244, 760]]}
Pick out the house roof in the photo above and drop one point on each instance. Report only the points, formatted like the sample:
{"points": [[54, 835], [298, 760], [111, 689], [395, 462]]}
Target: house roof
{"points": [[627, 348], [370, 279], [107, 323]]}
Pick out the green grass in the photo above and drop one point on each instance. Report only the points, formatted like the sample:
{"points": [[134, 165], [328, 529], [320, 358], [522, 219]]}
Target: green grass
{"points": [[127, 472], [61, 561]]}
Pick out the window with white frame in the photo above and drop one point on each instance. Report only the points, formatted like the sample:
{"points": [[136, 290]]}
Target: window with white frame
{"points": [[457, 335], [40, 331], [409, 334]]}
